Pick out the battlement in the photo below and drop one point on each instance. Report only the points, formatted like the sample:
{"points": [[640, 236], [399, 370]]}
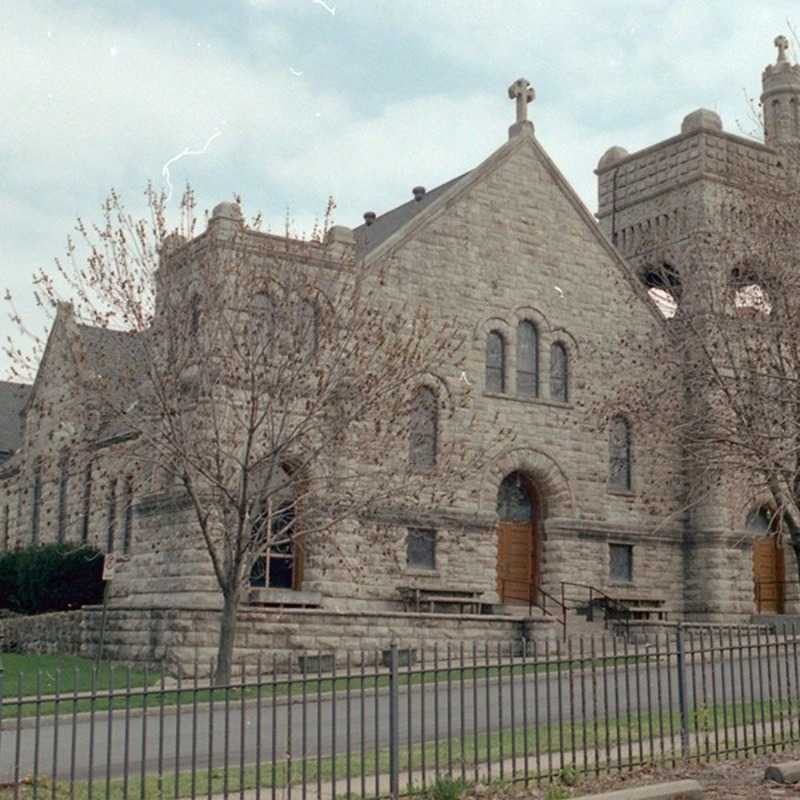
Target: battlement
{"points": [[636, 177], [226, 224], [664, 189]]}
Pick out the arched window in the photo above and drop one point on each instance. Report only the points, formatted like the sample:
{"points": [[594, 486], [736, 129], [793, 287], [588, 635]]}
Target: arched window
{"points": [[761, 521], [495, 362], [527, 360], [619, 453], [194, 315], [262, 306], [424, 429], [559, 373], [514, 502], [276, 543], [309, 326]]}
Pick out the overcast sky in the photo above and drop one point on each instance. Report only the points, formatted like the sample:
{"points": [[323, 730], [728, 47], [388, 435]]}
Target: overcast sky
{"points": [[359, 99]]}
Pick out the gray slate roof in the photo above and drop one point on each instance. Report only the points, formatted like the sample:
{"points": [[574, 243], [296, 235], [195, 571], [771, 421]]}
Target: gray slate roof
{"points": [[368, 237], [13, 397]]}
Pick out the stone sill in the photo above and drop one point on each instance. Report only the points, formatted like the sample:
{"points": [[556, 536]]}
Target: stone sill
{"points": [[531, 401], [621, 492], [331, 612], [413, 572]]}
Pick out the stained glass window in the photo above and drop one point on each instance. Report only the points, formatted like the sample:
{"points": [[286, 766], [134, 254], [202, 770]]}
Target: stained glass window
{"points": [[527, 360], [495, 363], [559, 373], [619, 454], [423, 434], [513, 499]]}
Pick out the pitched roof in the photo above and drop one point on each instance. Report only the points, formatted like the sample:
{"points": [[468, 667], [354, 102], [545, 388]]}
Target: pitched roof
{"points": [[369, 237], [13, 397]]}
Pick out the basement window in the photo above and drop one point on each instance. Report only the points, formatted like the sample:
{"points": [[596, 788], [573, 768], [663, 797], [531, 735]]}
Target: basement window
{"points": [[421, 548], [620, 563]]}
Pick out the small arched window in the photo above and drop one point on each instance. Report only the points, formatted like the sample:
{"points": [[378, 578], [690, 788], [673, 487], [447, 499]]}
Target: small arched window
{"points": [[495, 362], [194, 315], [424, 429], [262, 306], [527, 360], [308, 332], [559, 373], [619, 453]]}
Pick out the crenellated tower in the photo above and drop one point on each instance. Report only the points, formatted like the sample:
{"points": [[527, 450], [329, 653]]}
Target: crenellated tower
{"points": [[657, 206]]}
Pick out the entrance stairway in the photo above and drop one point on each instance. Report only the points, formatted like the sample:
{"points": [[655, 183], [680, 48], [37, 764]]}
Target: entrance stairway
{"points": [[586, 611]]}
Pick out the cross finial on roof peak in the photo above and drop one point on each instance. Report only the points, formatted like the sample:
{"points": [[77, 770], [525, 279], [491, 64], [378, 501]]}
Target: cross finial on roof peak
{"points": [[782, 43], [521, 91]]}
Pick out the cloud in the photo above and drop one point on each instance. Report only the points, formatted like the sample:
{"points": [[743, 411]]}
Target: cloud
{"points": [[392, 94]]}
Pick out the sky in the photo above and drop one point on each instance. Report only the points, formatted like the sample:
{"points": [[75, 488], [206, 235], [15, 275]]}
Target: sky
{"points": [[288, 102]]}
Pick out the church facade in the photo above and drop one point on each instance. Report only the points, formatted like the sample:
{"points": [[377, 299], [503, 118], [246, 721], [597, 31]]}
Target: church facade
{"points": [[549, 294]]}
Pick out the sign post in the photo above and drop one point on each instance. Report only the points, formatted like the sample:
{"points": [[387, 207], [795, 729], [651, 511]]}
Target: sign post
{"points": [[109, 565]]}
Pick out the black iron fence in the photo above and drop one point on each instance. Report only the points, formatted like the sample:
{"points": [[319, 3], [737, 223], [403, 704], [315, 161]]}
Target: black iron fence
{"points": [[394, 722]]}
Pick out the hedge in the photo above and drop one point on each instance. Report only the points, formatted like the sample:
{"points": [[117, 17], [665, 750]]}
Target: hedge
{"points": [[50, 577]]}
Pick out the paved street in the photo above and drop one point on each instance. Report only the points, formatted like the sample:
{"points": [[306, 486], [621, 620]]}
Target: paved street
{"points": [[333, 726]]}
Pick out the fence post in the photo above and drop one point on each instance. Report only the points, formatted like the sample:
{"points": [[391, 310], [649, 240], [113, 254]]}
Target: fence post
{"points": [[394, 724], [682, 706]]}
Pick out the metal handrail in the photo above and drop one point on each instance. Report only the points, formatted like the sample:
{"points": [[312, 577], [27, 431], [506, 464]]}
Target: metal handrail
{"points": [[611, 602], [533, 592]]}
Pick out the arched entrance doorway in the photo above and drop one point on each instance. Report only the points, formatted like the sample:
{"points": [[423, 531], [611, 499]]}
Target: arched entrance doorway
{"points": [[517, 540], [768, 566]]}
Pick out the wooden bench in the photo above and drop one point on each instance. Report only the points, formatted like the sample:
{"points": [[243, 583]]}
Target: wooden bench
{"points": [[419, 598], [639, 605]]}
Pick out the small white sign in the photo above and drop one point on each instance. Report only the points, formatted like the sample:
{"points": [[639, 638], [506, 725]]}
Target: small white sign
{"points": [[109, 565]]}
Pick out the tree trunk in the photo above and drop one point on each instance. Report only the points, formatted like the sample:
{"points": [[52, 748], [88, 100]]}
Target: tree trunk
{"points": [[227, 636]]}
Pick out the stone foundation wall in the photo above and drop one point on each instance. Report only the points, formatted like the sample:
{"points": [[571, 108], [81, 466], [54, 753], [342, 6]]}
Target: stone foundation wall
{"points": [[59, 632], [184, 640]]}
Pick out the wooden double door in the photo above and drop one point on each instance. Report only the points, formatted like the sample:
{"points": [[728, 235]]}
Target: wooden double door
{"points": [[517, 540], [768, 575]]}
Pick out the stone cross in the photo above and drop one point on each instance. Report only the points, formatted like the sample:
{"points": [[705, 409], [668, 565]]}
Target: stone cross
{"points": [[523, 93], [782, 43]]}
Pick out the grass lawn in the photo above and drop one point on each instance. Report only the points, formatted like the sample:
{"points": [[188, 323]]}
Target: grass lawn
{"points": [[28, 675]]}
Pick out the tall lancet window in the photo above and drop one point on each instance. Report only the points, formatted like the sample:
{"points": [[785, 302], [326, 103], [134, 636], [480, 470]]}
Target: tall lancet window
{"points": [[619, 454], [559, 373], [424, 429], [527, 360], [495, 362]]}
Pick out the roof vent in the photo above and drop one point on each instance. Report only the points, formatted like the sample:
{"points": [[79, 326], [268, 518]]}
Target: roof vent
{"points": [[369, 217], [418, 192]]}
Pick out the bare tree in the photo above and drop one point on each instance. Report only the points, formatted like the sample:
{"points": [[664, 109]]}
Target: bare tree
{"points": [[721, 387], [275, 380]]}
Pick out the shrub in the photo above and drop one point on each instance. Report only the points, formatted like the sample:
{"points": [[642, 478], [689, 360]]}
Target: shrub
{"points": [[50, 577], [447, 788]]}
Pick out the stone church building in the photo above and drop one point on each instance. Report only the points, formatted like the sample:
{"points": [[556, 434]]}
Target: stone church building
{"points": [[548, 292]]}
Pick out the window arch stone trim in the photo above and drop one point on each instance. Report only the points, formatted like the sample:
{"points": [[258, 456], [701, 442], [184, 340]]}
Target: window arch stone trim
{"points": [[554, 489]]}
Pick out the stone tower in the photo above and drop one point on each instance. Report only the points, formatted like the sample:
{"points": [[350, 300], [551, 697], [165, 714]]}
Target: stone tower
{"points": [[654, 205], [780, 98]]}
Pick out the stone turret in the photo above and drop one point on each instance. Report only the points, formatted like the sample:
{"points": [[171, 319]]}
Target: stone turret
{"points": [[780, 98]]}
